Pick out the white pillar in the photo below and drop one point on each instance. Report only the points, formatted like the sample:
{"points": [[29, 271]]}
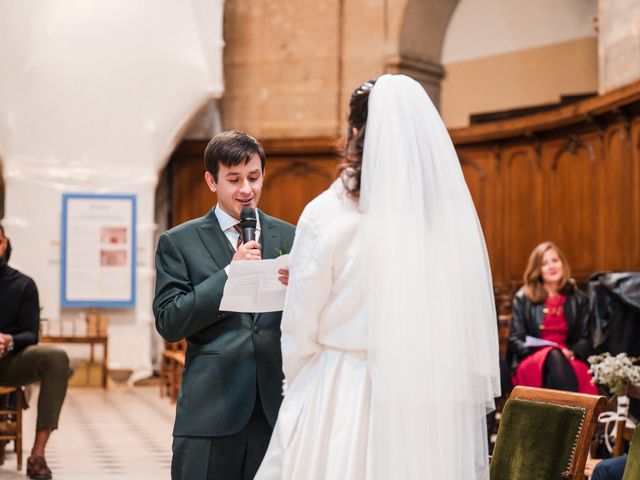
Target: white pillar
{"points": [[94, 97]]}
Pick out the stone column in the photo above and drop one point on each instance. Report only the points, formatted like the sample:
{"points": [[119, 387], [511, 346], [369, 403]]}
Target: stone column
{"points": [[618, 43], [428, 72]]}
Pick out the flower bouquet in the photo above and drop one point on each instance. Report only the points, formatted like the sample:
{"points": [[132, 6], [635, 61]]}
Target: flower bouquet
{"points": [[615, 373]]}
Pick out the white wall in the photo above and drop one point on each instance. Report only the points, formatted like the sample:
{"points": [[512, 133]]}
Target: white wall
{"points": [[93, 98], [480, 28]]}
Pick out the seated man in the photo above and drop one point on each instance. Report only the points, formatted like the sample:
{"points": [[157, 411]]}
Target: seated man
{"points": [[23, 362], [610, 469]]}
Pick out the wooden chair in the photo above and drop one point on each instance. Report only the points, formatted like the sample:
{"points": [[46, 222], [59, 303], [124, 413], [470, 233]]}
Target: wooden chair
{"points": [[623, 432], [11, 419], [504, 325], [544, 434], [179, 359], [172, 364], [166, 369]]}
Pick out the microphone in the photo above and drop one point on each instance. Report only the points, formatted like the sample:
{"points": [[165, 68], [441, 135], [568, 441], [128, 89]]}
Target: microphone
{"points": [[248, 224]]}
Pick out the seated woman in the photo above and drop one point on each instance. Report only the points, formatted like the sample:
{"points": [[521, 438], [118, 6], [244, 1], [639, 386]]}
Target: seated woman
{"points": [[551, 308]]}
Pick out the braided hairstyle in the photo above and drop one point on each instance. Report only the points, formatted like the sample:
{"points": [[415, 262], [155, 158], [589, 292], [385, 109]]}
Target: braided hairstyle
{"points": [[351, 167]]}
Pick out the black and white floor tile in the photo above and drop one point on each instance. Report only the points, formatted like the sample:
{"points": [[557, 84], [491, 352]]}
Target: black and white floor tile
{"points": [[104, 435]]}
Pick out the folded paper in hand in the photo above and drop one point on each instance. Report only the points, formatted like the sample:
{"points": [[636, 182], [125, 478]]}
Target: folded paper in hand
{"points": [[253, 286], [530, 341]]}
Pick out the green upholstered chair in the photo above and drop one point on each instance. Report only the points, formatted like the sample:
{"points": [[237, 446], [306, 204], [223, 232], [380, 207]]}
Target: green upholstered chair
{"points": [[632, 470], [544, 434]]}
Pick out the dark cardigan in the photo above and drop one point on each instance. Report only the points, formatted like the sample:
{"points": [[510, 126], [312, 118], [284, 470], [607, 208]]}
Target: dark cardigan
{"points": [[19, 307]]}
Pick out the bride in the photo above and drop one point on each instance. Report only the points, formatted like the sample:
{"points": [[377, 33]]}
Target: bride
{"points": [[389, 341]]}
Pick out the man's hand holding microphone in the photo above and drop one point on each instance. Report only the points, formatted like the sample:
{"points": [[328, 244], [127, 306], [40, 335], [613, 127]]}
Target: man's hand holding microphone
{"points": [[250, 249]]}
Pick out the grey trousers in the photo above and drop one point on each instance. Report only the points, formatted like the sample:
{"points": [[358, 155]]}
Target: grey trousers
{"points": [[234, 457], [44, 364]]}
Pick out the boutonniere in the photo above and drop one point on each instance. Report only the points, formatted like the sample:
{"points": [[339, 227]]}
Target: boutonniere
{"points": [[283, 251]]}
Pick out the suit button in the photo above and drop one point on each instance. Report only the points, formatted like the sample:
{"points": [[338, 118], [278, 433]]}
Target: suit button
{"points": [[256, 329]]}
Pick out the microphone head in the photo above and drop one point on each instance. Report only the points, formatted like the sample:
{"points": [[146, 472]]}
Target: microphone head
{"points": [[248, 218]]}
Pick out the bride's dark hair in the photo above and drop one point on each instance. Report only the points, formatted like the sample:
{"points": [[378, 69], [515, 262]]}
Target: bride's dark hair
{"points": [[351, 167]]}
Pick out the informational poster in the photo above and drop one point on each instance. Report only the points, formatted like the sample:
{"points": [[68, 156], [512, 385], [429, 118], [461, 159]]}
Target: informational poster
{"points": [[98, 251]]}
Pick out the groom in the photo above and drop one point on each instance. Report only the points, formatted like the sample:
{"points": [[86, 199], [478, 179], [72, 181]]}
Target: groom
{"points": [[232, 381]]}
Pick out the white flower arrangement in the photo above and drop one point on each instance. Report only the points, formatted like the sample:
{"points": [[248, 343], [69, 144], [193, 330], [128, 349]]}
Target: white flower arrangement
{"points": [[616, 373]]}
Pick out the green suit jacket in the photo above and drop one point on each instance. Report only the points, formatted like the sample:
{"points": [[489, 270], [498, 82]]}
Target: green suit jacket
{"points": [[229, 354]]}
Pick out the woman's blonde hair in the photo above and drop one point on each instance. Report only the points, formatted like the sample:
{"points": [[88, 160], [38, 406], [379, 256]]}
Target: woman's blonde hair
{"points": [[533, 284]]}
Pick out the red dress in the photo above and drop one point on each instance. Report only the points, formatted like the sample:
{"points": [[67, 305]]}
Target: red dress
{"points": [[554, 329]]}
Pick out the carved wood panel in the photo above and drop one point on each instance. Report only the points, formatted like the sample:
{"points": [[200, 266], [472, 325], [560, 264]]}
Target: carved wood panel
{"points": [[190, 195], [612, 200], [568, 165], [580, 190], [291, 183], [480, 169], [524, 220], [634, 208]]}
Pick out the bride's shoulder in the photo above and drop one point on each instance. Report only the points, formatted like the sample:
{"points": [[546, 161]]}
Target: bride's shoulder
{"points": [[333, 198], [330, 205]]}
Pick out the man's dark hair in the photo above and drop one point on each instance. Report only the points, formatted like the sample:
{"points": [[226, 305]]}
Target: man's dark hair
{"points": [[230, 149]]}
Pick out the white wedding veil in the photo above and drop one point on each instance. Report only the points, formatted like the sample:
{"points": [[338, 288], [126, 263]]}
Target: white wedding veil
{"points": [[433, 346]]}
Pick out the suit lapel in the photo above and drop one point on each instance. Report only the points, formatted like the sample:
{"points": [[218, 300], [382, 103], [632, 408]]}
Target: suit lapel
{"points": [[218, 246], [268, 242], [215, 240], [268, 236]]}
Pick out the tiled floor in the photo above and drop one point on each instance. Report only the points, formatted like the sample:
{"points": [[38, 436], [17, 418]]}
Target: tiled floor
{"points": [[124, 434]]}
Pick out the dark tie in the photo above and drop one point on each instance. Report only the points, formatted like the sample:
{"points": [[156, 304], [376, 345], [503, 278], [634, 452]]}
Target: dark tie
{"points": [[240, 239]]}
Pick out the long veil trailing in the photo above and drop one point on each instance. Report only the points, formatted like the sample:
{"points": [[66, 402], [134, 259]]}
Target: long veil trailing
{"points": [[433, 345]]}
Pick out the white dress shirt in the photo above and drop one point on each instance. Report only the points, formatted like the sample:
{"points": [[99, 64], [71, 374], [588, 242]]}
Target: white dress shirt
{"points": [[228, 223]]}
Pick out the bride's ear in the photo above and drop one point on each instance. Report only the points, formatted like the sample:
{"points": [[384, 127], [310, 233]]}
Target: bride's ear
{"points": [[354, 131]]}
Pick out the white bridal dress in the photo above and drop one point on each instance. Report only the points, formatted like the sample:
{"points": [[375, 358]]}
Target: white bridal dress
{"points": [[389, 336]]}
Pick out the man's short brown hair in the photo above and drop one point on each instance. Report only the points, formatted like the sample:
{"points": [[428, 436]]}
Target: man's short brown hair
{"points": [[230, 149]]}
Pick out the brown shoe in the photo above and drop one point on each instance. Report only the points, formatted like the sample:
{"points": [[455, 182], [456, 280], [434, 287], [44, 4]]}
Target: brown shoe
{"points": [[37, 469]]}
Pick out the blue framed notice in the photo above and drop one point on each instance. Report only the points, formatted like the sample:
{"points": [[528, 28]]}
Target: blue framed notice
{"points": [[98, 251]]}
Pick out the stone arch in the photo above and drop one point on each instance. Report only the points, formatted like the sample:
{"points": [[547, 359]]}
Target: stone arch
{"points": [[419, 32]]}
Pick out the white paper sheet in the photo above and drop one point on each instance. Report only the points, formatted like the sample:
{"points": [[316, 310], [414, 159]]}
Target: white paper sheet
{"points": [[530, 341], [253, 286]]}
